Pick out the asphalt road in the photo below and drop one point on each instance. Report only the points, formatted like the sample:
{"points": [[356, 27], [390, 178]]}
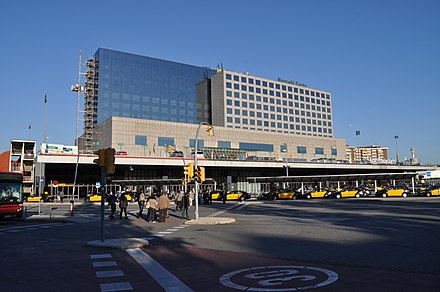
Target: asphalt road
{"points": [[373, 244]]}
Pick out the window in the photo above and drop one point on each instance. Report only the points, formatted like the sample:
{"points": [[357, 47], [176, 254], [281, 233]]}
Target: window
{"points": [[228, 85], [229, 111], [301, 149], [243, 79], [256, 146], [140, 140], [228, 76], [165, 141], [236, 86], [224, 144], [334, 151], [319, 150], [200, 143], [283, 148], [228, 93], [229, 102], [236, 78]]}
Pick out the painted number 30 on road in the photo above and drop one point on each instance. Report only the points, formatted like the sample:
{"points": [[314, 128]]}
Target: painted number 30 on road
{"points": [[278, 278]]}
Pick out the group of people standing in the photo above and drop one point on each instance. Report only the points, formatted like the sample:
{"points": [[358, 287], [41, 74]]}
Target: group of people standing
{"points": [[157, 205], [154, 204]]}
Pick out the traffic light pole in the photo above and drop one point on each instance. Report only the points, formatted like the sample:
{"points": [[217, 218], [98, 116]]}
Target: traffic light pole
{"points": [[195, 167], [102, 191]]}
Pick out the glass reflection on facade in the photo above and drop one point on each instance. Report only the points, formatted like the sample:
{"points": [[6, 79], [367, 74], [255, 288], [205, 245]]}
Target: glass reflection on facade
{"points": [[135, 86]]}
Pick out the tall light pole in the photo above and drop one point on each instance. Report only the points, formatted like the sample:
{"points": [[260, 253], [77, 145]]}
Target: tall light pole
{"points": [[78, 89], [358, 152], [195, 167], [397, 149]]}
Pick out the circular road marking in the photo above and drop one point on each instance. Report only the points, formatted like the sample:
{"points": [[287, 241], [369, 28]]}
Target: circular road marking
{"points": [[278, 278]]}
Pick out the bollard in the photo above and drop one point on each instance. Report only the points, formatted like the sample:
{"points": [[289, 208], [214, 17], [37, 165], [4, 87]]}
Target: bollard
{"points": [[71, 207]]}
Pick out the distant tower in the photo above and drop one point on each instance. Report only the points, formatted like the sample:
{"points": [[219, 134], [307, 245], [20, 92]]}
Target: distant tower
{"points": [[413, 159]]}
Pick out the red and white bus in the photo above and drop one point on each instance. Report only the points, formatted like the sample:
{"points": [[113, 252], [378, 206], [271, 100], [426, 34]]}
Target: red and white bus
{"points": [[11, 195]]}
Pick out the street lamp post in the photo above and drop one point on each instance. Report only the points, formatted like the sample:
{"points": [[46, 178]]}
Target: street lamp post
{"points": [[195, 167], [397, 149]]}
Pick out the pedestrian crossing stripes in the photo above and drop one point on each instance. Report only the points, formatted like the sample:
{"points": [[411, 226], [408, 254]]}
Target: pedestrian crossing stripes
{"points": [[105, 261]]}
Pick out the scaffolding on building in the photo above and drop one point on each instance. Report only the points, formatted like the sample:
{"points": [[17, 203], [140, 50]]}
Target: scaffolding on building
{"points": [[90, 104]]}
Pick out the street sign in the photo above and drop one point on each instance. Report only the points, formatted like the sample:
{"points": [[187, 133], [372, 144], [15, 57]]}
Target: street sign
{"points": [[55, 183]]}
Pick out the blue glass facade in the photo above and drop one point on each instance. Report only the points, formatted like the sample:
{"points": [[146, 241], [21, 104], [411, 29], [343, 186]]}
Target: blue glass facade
{"points": [[135, 86]]}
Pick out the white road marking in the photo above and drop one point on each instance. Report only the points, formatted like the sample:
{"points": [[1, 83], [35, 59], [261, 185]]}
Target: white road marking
{"points": [[104, 264], [173, 229], [108, 274], [101, 256], [163, 277], [118, 286], [164, 232]]}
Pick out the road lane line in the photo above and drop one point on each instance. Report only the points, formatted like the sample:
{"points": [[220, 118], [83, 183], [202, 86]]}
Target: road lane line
{"points": [[118, 286], [163, 277]]}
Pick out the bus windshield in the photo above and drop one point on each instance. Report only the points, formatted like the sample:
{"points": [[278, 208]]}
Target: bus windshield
{"points": [[10, 192]]}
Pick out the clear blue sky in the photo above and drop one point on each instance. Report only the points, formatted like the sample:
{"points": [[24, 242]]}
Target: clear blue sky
{"points": [[380, 59]]}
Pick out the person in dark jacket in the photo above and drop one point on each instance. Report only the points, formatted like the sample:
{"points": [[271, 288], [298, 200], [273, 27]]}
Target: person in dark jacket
{"points": [[123, 205]]}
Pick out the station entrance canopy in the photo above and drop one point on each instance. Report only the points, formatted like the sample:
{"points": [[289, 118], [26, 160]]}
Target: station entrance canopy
{"points": [[154, 182], [341, 177]]}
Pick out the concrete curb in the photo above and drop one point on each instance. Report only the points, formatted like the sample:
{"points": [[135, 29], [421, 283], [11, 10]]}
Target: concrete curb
{"points": [[210, 221], [119, 243]]}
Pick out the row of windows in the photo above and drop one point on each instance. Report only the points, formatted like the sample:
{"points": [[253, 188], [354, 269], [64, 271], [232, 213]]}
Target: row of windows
{"points": [[278, 86], [266, 116], [279, 117], [303, 133], [165, 141], [278, 125], [265, 99], [279, 109]]}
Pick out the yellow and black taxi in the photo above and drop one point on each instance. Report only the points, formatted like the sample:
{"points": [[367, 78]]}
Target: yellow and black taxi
{"points": [[237, 195], [92, 198], [393, 191], [347, 192], [285, 194], [427, 191], [231, 195], [315, 193]]}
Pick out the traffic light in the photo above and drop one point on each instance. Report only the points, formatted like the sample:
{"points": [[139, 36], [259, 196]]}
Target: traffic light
{"points": [[170, 148], [188, 170], [200, 174], [101, 157], [110, 161], [210, 130]]}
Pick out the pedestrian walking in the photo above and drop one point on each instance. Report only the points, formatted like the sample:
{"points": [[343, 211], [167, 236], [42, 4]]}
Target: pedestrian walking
{"points": [[224, 196], [111, 200], [152, 206], [191, 197], [178, 201], [123, 205], [163, 204], [185, 205], [141, 203]]}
